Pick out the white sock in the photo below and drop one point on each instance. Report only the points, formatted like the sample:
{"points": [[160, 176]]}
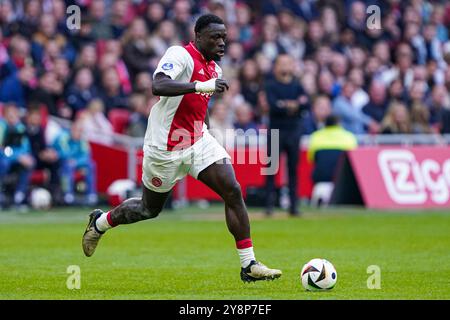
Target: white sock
{"points": [[246, 255], [102, 223]]}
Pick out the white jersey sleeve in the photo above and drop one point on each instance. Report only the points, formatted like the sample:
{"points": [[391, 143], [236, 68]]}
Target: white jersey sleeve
{"points": [[173, 63]]}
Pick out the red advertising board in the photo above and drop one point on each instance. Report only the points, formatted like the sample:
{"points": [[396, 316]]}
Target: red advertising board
{"points": [[112, 165], [396, 177]]}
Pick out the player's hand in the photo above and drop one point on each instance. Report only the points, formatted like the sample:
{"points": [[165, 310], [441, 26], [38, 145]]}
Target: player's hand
{"points": [[221, 85]]}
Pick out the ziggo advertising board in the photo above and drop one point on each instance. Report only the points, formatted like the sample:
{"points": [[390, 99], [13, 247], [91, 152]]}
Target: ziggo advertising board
{"points": [[397, 177]]}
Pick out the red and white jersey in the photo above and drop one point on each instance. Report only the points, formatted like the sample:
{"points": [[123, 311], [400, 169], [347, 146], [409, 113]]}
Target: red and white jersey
{"points": [[177, 122]]}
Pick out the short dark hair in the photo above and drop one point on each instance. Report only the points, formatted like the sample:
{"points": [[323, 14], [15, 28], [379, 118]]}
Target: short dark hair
{"points": [[331, 120], [205, 20]]}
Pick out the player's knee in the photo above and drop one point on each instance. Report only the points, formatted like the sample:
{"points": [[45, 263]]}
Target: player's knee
{"points": [[151, 212], [233, 192]]}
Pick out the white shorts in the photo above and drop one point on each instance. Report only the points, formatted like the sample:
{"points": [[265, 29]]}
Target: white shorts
{"points": [[162, 169]]}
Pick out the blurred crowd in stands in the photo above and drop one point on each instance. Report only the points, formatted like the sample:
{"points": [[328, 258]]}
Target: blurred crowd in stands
{"points": [[391, 79]]}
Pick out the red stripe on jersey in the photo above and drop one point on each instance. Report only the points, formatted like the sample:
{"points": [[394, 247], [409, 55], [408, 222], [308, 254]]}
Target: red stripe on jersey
{"points": [[187, 123], [244, 244]]}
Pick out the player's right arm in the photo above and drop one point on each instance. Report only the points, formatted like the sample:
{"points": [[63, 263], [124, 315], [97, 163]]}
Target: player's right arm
{"points": [[171, 66]]}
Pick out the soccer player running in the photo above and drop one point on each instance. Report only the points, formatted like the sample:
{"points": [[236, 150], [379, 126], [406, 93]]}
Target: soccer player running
{"points": [[177, 143]]}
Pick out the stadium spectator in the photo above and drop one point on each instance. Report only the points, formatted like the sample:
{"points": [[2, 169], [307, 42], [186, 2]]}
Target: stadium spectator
{"points": [[82, 91], [137, 48], [420, 113], [51, 52], [420, 119], [220, 123], [437, 18], [181, 16], [20, 51], [120, 17], [306, 9], [438, 102], [155, 15], [402, 69], [246, 34], [346, 40], [326, 84], [358, 57], [292, 35], [339, 67], [353, 120], [286, 98], [74, 150], [377, 105], [308, 82], [15, 155], [251, 81], [164, 37], [396, 91], [315, 119], [143, 84], [269, 46], [330, 22], [244, 117], [111, 92], [138, 120], [445, 122], [49, 92], [326, 146], [396, 120], [233, 97], [360, 97], [47, 31], [356, 20], [111, 58], [18, 86], [45, 156], [6, 65], [315, 37], [29, 22], [101, 28], [87, 58], [382, 51], [432, 47], [94, 123]]}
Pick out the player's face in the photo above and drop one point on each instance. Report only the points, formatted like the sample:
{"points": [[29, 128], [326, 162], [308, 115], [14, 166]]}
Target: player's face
{"points": [[211, 41]]}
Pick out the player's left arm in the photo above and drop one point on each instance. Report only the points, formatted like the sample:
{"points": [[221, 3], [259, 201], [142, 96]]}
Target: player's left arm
{"points": [[163, 85]]}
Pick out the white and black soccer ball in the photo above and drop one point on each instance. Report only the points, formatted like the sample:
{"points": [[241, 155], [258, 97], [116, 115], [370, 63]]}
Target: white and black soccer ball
{"points": [[40, 199], [318, 274]]}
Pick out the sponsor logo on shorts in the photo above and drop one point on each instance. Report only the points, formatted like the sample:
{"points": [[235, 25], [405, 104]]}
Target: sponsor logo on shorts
{"points": [[157, 182]]}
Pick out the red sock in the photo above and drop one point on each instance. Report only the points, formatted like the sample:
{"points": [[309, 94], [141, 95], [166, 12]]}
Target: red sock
{"points": [[110, 222], [244, 244]]}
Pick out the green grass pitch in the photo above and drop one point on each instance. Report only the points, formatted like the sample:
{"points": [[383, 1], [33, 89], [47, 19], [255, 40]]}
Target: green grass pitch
{"points": [[189, 254]]}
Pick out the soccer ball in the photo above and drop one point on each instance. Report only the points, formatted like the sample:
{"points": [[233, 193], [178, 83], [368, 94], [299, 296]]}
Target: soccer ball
{"points": [[40, 199], [318, 274]]}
